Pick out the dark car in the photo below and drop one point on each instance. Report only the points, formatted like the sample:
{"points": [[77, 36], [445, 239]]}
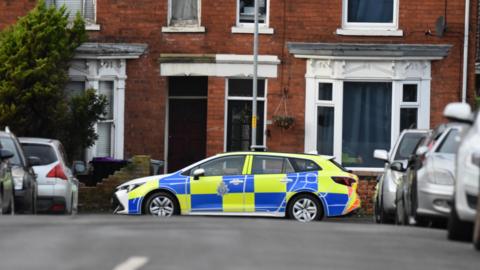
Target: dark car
{"points": [[7, 199], [23, 175]]}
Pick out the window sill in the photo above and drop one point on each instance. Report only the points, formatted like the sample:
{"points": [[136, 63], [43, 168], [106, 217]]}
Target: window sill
{"points": [[249, 30], [370, 32], [183, 29], [92, 27]]}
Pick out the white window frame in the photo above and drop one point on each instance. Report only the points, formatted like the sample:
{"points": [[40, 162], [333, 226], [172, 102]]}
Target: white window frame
{"points": [[370, 29], [248, 28], [337, 103], [90, 26], [194, 28], [112, 121], [336, 96], [228, 98], [409, 105]]}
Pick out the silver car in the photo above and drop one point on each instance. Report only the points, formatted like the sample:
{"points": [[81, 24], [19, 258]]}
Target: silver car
{"points": [[467, 176], [57, 186], [384, 199], [425, 197]]}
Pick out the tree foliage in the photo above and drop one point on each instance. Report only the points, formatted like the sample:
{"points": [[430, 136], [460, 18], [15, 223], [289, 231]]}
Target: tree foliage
{"points": [[35, 54]]}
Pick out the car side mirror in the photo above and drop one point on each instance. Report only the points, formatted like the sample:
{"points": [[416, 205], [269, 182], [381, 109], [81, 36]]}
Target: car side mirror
{"points": [[422, 150], [79, 167], [5, 154], [381, 154], [397, 166], [197, 173], [33, 161], [458, 111]]}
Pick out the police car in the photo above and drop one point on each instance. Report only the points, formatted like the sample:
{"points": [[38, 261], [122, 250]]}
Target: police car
{"points": [[300, 186]]}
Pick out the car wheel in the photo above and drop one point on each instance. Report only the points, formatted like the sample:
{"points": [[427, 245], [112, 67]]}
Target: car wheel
{"points": [[400, 218], [376, 212], [476, 234], [161, 204], [458, 230], [1, 202], [12, 206], [305, 208], [73, 208]]}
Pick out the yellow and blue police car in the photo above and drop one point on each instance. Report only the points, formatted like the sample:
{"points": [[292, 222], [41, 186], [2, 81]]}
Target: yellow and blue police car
{"points": [[300, 186]]}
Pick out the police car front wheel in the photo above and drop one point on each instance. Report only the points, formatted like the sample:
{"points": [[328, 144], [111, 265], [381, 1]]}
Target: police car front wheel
{"points": [[305, 208], [161, 204]]}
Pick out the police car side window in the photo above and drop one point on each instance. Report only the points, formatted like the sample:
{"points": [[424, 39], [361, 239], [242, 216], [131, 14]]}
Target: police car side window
{"points": [[271, 165], [304, 165], [232, 165]]}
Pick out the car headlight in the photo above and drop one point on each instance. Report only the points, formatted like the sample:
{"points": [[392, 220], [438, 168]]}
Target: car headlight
{"points": [[442, 177], [18, 175], [129, 188]]}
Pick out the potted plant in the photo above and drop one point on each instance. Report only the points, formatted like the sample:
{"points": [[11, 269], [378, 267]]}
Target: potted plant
{"points": [[283, 121]]}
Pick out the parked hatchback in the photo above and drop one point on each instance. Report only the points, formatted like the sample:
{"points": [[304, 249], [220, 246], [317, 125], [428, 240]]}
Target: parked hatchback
{"points": [[57, 186], [467, 175], [384, 205], [425, 196], [23, 174]]}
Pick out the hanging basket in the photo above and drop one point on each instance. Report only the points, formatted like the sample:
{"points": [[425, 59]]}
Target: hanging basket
{"points": [[283, 121]]}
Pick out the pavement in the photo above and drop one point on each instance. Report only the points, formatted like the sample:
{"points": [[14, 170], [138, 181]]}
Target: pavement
{"points": [[127, 243]]}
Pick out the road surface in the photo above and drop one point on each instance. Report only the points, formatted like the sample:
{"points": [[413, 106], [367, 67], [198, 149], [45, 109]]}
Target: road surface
{"points": [[126, 243]]}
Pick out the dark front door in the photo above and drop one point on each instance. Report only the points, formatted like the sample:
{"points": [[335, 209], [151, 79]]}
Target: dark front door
{"points": [[187, 121]]}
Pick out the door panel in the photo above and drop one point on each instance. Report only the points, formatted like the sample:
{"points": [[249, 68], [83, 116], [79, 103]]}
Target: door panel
{"points": [[220, 193], [270, 192], [187, 122], [187, 132]]}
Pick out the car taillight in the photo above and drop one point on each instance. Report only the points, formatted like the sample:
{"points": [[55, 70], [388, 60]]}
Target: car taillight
{"points": [[346, 181], [57, 172]]}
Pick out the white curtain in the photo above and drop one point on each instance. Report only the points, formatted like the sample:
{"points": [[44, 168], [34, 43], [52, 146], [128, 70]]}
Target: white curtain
{"points": [[184, 12]]}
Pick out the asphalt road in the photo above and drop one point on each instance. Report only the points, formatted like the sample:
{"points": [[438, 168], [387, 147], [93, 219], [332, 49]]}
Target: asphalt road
{"points": [[116, 242]]}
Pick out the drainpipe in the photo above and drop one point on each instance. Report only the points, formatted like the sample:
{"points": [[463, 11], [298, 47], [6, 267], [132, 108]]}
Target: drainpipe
{"points": [[465, 50]]}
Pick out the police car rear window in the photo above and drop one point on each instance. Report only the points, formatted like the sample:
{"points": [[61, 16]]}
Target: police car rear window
{"points": [[304, 165]]}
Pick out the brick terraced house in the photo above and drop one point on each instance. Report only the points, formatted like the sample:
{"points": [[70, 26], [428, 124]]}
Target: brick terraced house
{"points": [[351, 73]]}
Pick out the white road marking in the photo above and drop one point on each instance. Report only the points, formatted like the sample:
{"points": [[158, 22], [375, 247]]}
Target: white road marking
{"points": [[132, 263]]}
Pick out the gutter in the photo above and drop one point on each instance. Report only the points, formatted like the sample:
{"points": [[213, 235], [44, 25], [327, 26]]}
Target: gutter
{"points": [[465, 51]]}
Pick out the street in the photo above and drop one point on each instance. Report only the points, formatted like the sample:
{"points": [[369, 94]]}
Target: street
{"points": [[118, 242]]}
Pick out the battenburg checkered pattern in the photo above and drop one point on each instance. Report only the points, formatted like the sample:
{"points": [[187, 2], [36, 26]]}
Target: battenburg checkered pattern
{"points": [[249, 193]]}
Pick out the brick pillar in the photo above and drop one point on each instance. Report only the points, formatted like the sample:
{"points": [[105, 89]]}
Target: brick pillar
{"points": [[215, 115]]}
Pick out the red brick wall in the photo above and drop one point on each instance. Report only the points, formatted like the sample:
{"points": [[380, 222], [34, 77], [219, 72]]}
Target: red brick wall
{"points": [[215, 115], [301, 21]]}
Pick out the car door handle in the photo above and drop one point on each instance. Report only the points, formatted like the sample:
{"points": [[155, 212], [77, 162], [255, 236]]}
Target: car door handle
{"points": [[236, 182], [286, 180]]}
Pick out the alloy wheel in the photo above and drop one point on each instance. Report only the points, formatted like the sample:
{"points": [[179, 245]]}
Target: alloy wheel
{"points": [[161, 206], [305, 210]]}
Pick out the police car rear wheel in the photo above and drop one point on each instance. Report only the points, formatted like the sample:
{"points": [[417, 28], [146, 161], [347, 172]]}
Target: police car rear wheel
{"points": [[161, 204], [305, 209]]}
